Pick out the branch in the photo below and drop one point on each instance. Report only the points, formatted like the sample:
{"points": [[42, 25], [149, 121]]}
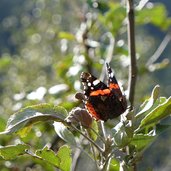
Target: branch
{"points": [[160, 49], [132, 53]]}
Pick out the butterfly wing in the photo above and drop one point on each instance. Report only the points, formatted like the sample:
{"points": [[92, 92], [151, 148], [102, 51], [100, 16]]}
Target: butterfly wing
{"points": [[103, 102], [94, 89], [91, 84], [115, 89]]}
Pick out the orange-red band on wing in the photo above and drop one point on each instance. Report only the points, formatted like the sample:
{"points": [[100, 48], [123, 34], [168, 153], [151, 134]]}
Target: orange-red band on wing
{"points": [[92, 111], [100, 92], [115, 86]]}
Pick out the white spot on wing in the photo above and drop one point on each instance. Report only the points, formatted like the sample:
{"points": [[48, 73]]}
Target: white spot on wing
{"points": [[111, 74], [96, 82], [89, 84]]}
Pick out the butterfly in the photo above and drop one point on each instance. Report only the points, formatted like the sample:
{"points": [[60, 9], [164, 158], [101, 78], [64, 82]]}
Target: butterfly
{"points": [[103, 101]]}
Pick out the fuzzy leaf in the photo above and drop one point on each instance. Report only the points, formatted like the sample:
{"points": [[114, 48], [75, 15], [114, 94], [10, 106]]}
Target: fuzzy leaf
{"points": [[122, 134], [141, 141], [64, 133], [64, 155], [114, 165], [156, 15], [49, 156], [33, 114], [151, 100], [61, 160], [161, 111], [66, 35], [115, 13], [12, 151], [93, 131]]}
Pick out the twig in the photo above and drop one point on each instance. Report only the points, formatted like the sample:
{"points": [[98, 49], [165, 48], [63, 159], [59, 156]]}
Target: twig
{"points": [[103, 129], [160, 49], [132, 53], [99, 136], [93, 151], [89, 139], [141, 4]]}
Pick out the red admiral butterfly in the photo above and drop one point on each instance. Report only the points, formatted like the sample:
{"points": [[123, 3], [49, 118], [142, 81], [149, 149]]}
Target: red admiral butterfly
{"points": [[103, 102]]}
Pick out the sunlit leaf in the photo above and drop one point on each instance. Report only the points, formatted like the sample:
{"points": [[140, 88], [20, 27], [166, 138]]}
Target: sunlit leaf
{"points": [[93, 131], [33, 114], [141, 141], [151, 100], [49, 156], [161, 111], [3, 123], [5, 61], [66, 35], [64, 154], [114, 165], [117, 14], [122, 134], [24, 131], [156, 15], [64, 133], [61, 160], [12, 151]]}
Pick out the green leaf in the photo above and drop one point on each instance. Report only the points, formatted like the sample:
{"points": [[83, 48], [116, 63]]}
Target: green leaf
{"points": [[61, 160], [114, 165], [5, 62], [93, 131], [12, 151], [150, 102], [33, 114], [114, 17], [122, 134], [64, 133], [64, 155], [161, 111], [141, 141], [66, 35], [3, 124], [49, 156], [156, 15]]}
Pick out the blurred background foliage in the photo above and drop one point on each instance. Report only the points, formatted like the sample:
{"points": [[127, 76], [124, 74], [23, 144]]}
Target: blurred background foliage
{"points": [[45, 44]]}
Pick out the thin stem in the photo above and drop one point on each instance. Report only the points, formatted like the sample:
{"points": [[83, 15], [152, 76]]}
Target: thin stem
{"points": [[107, 161], [103, 129], [98, 147], [159, 50], [132, 53], [99, 136], [93, 151]]}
